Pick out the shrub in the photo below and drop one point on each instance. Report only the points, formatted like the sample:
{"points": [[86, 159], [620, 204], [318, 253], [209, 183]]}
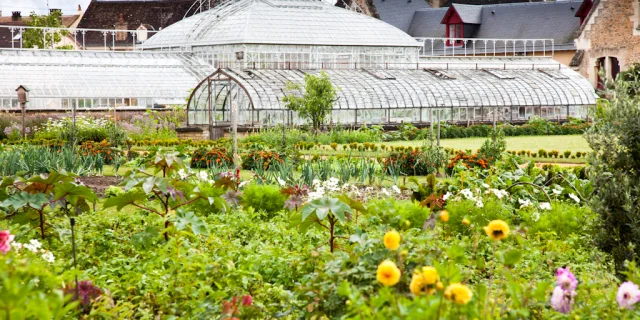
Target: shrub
{"points": [[206, 158], [563, 220], [102, 149], [469, 161], [334, 146], [252, 160], [267, 198], [493, 209], [416, 162], [396, 213], [567, 154]]}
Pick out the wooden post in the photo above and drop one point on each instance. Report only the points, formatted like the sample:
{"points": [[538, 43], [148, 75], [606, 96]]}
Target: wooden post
{"points": [[23, 106], [438, 119]]}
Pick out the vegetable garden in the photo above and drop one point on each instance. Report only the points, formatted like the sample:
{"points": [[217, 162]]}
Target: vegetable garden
{"points": [[343, 224]]}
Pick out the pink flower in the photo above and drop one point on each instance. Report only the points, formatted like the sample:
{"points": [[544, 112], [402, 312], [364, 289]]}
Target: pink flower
{"points": [[562, 300], [5, 241], [628, 295], [566, 279], [246, 300]]}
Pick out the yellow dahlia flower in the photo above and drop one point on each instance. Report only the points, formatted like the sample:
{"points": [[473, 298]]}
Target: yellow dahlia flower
{"points": [[417, 284], [497, 230], [458, 293], [391, 240], [388, 273], [430, 275], [444, 215]]}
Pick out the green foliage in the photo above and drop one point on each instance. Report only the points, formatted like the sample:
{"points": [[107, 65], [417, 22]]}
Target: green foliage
{"points": [[266, 198], [33, 160], [42, 38], [615, 170], [28, 201], [315, 101], [493, 209], [562, 220], [493, 147], [399, 215]]}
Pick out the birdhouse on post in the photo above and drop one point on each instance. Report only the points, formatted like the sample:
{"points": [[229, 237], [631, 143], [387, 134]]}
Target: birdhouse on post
{"points": [[23, 98]]}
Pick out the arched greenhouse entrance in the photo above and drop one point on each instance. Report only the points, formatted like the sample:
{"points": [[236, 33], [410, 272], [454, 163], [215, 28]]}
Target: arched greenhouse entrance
{"points": [[219, 103]]}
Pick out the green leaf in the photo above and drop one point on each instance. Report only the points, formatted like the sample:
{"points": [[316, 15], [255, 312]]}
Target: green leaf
{"points": [[325, 205], [512, 257], [184, 218], [125, 199], [145, 239], [22, 199]]}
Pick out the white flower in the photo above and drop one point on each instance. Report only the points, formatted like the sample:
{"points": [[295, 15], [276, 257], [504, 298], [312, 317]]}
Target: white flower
{"points": [[524, 203], [315, 182], [486, 186], [557, 191], [203, 175], [446, 196], [574, 197], [467, 194], [545, 205], [182, 174], [281, 182], [48, 256], [535, 216], [479, 203], [33, 245], [243, 183], [314, 195], [499, 193], [385, 192], [396, 189]]}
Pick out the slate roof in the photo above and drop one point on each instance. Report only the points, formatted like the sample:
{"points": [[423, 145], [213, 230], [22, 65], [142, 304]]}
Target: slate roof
{"points": [[534, 20], [105, 14], [486, 2], [469, 13], [399, 13]]}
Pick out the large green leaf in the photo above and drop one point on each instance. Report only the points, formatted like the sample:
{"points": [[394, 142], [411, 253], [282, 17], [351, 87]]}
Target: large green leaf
{"points": [[22, 199], [73, 192], [125, 199], [184, 218], [145, 239], [323, 206]]}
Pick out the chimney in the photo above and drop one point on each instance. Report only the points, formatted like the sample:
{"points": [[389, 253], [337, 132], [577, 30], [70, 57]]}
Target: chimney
{"points": [[16, 16], [79, 9]]}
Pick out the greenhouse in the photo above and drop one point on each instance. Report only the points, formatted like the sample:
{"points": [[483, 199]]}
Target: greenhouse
{"points": [[241, 54], [481, 90]]}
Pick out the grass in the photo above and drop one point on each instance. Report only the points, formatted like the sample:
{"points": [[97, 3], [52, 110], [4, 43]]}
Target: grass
{"points": [[571, 143]]}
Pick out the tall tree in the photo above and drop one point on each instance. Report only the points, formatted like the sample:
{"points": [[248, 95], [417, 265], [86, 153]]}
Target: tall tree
{"points": [[315, 101], [42, 38]]}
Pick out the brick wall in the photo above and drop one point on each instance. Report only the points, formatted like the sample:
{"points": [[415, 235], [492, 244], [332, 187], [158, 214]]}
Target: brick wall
{"points": [[610, 32]]}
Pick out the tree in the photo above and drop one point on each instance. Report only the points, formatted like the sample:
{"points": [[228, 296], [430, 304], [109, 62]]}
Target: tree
{"points": [[43, 38], [315, 102], [615, 171]]}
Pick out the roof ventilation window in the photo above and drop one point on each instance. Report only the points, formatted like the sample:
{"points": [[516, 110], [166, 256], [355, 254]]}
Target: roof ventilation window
{"points": [[245, 75], [555, 74], [499, 74], [380, 75], [440, 74]]}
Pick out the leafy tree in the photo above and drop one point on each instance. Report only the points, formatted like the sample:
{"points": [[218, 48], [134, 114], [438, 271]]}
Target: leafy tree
{"points": [[315, 102], [493, 147], [615, 172], [42, 38]]}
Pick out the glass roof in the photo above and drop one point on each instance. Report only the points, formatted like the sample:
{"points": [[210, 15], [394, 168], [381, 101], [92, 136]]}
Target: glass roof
{"points": [[299, 22], [86, 74], [428, 88]]}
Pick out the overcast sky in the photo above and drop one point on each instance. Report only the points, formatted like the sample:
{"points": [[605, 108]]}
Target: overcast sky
{"points": [[40, 6]]}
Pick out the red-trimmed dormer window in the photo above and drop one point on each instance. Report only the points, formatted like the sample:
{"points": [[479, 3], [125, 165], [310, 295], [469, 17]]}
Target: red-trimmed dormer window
{"points": [[455, 27], [583, 11]]}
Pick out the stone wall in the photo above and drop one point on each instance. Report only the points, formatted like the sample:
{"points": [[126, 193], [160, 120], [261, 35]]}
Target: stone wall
{"points": [[611, 31]]}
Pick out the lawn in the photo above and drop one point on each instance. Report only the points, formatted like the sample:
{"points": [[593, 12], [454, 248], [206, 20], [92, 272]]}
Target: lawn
{"points": [[531, 143]]}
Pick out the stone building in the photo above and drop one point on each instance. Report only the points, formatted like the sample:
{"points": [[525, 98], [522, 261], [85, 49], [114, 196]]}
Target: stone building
{"points": [[609, 40]]}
